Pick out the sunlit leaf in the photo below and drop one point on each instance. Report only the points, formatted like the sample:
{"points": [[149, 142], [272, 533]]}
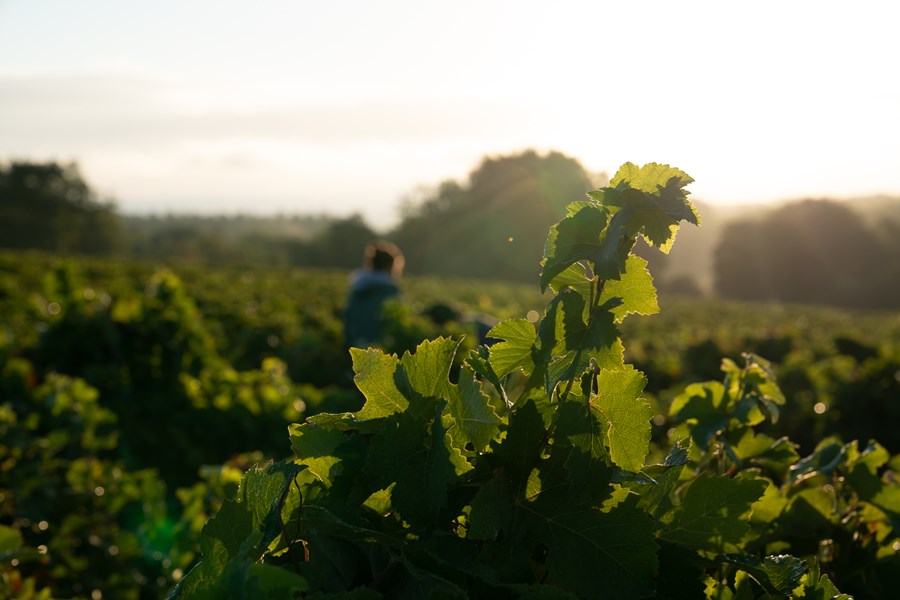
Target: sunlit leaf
{"points": [[428, 369], [572, 338], [626, 415], [777, 574], [655, 197], [574, 238], [514, 350], [316, 447], [475, 421], [375, 374], [635, 290]]}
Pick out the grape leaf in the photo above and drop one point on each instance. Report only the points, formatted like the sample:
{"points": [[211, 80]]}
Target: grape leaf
{"points": [[656, 499], [412, 449], [521, 448], [712, 513], [626, 415], [580, 426], [475, 421], [575, 276], [243, 580], [578, 441], [810, 509], [514, 351], [380, 501], [491, 511], [375, 377], [423, 582], [760, 449], [769, 507], [569, 343], [635, 289], [333, 556], [754, 387], [650, 201], [777, 574], [816, 586], [590, 550], [576, 237], [273, 583], [315, 447], [652, 178], [888, 500], [704, 408], [242, 529], [261, 491], [428, 370], [681, 573], [615, 246], [479, 360], [654, 194], [319, 519], [828, 456], [863, 474]]}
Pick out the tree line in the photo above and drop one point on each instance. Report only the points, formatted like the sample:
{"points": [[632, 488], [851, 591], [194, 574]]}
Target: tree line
{"points": [[489, 226]]}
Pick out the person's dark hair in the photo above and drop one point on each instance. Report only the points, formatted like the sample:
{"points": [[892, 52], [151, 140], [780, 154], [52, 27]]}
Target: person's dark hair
{"points": [[381, 255]]}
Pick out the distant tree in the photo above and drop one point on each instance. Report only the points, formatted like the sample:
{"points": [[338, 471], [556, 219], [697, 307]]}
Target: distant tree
{"points": [[814, 251], [339, 245], [49, 206], [493, 225], [888, 287]]}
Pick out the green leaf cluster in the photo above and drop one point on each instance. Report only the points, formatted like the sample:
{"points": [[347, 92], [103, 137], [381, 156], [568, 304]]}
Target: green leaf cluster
{"points": [[525, 473], [73, 517]]}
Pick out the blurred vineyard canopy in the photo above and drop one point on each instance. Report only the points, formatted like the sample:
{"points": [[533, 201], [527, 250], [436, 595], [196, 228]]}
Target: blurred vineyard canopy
{"points": [[490, 226]]}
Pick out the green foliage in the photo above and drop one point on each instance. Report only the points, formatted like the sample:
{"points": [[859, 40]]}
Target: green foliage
{"points": [[237, 536], [536, 484], [154, 361], [77, 519], [836, 504], [543, 465]]}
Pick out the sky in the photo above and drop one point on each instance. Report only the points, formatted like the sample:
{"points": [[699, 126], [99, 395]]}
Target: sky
{"points": [[342, 107]]}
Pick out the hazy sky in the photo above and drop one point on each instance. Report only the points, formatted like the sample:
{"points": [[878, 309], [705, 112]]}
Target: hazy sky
{"points": [[348, 106]]}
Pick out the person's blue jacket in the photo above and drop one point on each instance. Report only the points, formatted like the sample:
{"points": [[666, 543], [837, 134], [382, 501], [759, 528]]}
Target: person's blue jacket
{"points": [[363, 321]]}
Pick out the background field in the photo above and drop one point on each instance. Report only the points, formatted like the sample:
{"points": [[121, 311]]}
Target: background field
{"points": [[133, 395]]}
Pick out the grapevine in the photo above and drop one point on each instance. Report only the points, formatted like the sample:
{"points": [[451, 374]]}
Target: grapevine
{"points": [[529, 472]]}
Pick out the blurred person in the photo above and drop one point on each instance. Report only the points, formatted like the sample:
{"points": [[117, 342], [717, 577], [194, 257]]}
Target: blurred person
{"points": [[370, 287]]}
